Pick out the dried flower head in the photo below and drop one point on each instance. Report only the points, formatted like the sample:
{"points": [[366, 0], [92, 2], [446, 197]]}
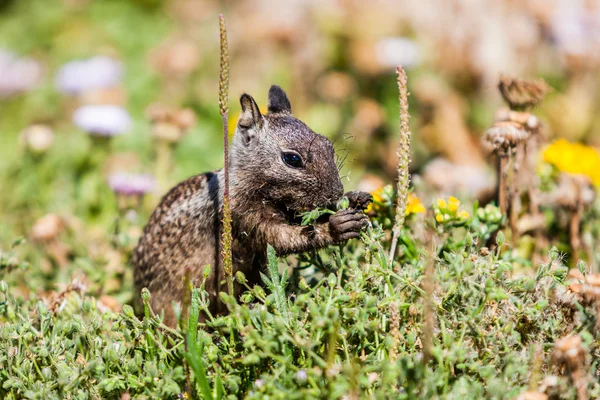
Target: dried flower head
{"points": [[532, 396], [176, 57], [570, 355], [505, 135], [525, 119], [37, 138], [336, 86], [569, 351], [588, 288], [572, 190], [170, 123], [102, 120], [447, 177], [47, 228], [78, 77], [522, 94]]}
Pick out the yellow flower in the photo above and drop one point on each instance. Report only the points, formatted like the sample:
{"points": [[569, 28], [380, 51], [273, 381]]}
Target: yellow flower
{"points": [[377, 199], [453, 204], [441, 203], [414, 205], [463, 215], [377, 195], [574, 158], [439, 217]]}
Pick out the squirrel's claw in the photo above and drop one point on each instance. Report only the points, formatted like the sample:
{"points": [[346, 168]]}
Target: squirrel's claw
{"points": [[347, 224], [359, 200]]}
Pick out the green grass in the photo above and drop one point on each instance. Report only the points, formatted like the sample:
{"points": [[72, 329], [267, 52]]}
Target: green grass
{"points": [[341, 323]]}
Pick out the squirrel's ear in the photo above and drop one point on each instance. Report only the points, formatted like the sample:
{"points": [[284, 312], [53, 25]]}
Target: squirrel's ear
{"points": [[278, 101], [251, 120]]}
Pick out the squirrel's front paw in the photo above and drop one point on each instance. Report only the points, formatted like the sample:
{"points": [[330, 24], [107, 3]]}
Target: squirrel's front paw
{"points": [[347, 224], [359, 200]]}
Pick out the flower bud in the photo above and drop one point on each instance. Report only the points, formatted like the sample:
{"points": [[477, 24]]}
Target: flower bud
{"points": [[37, 138], [240, 277]]}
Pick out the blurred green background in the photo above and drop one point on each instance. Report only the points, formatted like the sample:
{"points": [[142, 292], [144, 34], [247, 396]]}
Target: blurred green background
{"points": [[336, 60]]}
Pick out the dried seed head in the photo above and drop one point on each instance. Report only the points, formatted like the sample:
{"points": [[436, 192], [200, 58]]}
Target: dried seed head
{"points": [[224, 68], [522, 94], [184, 118], [47, 228], [572, 190], [590, 290], [576, 288], [37, 138], [574, 273], [524, 119], [593, 280], [569, 352], [505, 135], [448, 178], [530, 223], [532, 396], [568, 343]]}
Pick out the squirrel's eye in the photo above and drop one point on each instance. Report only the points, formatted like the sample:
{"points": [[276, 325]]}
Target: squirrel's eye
{"points": [[292, 159]]}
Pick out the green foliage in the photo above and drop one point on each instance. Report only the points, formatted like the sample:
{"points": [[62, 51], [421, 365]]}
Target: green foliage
{"points": [[344, 322], [73, 349], [332, 336]]}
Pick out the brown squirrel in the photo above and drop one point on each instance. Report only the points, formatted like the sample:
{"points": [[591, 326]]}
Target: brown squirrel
{"points": [[278, 168]]}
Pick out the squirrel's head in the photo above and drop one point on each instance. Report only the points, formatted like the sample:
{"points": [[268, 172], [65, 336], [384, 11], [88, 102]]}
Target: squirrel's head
{"points": [[281, 159]]}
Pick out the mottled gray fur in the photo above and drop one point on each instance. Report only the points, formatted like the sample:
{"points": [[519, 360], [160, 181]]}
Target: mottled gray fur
{"points": [[266, 197]]}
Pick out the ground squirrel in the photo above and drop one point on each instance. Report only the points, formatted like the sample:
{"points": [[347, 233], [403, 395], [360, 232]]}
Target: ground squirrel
{"points": [[279, 167]]}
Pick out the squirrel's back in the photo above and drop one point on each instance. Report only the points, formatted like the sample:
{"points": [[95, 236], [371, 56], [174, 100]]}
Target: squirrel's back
{"points": [[182, 231]]}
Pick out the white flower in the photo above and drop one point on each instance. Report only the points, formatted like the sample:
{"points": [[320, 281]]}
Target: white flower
{"points": [[82, 76], [102, 120], [17, 75], [394, 51], [37, 138]]}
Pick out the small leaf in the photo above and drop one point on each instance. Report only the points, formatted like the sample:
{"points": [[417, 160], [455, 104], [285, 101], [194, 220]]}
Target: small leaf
{"points": [[500, 239]]}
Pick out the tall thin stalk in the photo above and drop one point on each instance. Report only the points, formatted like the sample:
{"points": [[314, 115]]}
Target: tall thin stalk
{"points": [[403, 161], [224, 109], [503, 181], [429, 311]]}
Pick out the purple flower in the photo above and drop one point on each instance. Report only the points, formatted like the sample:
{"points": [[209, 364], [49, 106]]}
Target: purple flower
{"points": [[301, 375], [17, 75], [393, 51], [102, 120], [131, 184], [575, 28], [77, 77]]}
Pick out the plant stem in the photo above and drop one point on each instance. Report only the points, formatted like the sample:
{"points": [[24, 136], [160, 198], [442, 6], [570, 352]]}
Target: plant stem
{"points": [[403, 161], [502, 182], [429, 309], [224, 108], [575, 240]]}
